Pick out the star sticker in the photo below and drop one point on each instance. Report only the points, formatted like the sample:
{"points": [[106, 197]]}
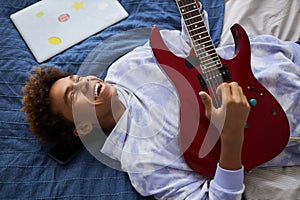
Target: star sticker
{"points": [[77, 5]]}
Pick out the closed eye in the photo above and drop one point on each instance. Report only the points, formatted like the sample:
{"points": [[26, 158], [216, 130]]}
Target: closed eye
{"points": [[72, 94], [77, 79]]}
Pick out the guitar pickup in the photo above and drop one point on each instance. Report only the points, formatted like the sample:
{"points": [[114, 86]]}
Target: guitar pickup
{"points": [[202, 82], [224, 71]]}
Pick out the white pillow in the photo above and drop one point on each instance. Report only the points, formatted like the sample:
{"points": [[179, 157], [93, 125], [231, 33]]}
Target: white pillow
{"points": [[279, 18]]}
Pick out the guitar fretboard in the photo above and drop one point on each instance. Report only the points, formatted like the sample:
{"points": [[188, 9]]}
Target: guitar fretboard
{"points": [[200, 38], [212, 71]]}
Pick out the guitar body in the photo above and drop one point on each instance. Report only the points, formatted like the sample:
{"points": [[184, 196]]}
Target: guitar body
{"points": [[267, 129]]}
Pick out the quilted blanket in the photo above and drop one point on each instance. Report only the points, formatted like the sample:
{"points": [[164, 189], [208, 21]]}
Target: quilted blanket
{"points": [[26, 172]]}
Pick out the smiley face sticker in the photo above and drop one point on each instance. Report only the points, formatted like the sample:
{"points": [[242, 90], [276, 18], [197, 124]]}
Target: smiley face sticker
{"points": [[54, 40], [63, 17], [39, 14]]}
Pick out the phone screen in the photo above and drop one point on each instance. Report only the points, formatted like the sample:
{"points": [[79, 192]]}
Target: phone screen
{"points": [[63, 154]]}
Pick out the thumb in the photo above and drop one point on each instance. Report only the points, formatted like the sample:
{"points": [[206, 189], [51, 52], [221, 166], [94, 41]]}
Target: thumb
{"points": [[206, 100]]}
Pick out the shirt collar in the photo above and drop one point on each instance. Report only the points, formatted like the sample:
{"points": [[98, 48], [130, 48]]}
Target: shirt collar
{"points": [[114, 143]]}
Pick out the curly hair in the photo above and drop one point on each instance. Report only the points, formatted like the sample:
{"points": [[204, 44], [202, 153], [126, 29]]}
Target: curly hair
{"points": [[49, 128]]}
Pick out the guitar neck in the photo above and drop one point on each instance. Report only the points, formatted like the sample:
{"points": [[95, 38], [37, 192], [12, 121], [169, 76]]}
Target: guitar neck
{"points": [[199, 35]]}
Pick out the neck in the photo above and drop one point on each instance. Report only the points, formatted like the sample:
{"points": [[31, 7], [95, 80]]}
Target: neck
{"points": [[117, 110]]}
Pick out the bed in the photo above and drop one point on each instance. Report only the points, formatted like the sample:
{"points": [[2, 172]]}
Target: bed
{"points": [[26, 172], [280, 19]]}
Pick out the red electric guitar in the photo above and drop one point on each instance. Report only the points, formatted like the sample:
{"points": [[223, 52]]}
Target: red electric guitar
{"points": [[267, 129]]}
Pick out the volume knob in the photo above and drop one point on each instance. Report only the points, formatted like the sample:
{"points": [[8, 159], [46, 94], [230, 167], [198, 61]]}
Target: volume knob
{"points": [[253, 102]]}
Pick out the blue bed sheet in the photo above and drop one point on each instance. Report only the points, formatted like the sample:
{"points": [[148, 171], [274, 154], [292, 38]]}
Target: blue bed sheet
{"points": [[26, 172]]}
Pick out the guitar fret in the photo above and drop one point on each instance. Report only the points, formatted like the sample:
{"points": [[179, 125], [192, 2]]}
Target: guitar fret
{"points": [[213, 70], [196, 29], [213, 76], [203, 44], [193, 19], [206, 48], [203, 40], [209, 66], [186, 3], [191, 23], [200, 30], [203, 36], [209, 57], [201, 54], [206, 57], [206, 45], [200, 38], [209, 60], [196, 24], [198, 35], [188, 11]]}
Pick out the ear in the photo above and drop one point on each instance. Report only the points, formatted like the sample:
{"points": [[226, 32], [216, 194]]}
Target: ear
{"points": [[83, 128]]}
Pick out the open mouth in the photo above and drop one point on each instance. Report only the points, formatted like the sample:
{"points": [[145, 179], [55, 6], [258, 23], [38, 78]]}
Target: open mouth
{"points": [[97, 90]]}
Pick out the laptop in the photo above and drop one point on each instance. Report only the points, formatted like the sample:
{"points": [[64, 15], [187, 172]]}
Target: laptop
{"points": [[52, 26]]}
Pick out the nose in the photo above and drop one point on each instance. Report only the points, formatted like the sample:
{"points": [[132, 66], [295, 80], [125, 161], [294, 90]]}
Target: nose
{"points": [[82, 85]]}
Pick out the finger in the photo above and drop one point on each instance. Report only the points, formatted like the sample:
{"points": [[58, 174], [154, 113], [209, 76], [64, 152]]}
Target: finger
{"points": [[243, 96], [241, 92], [224, 91], [238, 94], [198, 3], [245, 101], [206, 100], [236, 91]]}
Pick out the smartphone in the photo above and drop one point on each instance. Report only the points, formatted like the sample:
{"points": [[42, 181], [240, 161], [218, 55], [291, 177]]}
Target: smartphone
{"points": [[63, 154]]}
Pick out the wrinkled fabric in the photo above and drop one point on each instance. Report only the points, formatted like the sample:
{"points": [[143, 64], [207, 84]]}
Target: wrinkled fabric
{"points": [[276, 64]]}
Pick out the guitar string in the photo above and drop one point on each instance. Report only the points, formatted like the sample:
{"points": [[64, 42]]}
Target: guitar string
{"points": [[207, 75], [206, 37], [211, 76], [183, 13]]}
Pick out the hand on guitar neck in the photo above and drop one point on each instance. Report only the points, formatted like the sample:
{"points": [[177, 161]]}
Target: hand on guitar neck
{"points": [[230, 119]]}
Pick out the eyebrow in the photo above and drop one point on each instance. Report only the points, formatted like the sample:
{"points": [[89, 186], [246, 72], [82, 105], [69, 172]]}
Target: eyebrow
{"points": [[67, 91]]}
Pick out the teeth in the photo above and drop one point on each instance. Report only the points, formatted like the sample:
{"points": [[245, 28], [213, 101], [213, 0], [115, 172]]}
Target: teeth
{"points": [[97, 89]]}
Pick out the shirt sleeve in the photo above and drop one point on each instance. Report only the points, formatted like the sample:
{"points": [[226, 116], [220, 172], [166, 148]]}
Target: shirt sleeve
{"points": [[227, 184], [169, 183]]}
